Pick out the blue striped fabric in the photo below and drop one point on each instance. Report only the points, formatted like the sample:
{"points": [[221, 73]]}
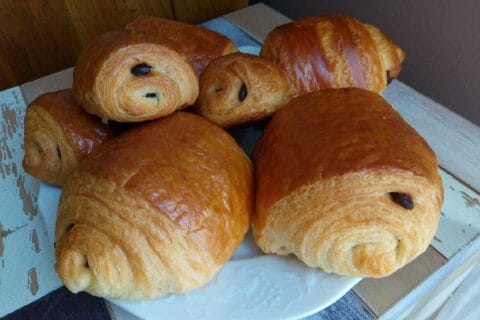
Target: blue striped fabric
{"points": [[61, 304], [349, 307]]}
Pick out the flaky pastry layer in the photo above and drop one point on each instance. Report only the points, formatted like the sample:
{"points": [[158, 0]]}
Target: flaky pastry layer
{"points": [[333, 52], [345, 184], [157, 210], [58, 134], [240, 88]]}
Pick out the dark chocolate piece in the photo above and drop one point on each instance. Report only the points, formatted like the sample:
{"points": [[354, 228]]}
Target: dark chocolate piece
{"points": [[389, 78], [402, 199], [141, 69], [243, 92]]}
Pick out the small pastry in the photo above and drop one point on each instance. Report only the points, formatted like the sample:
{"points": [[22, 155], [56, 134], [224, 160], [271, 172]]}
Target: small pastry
{"points": [[147, 70], [58, 134], [333, 52], [129, 78], [240, 88]]}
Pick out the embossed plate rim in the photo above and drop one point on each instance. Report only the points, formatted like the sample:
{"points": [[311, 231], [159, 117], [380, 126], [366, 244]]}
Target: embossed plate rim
{"points": [[251, 285]]}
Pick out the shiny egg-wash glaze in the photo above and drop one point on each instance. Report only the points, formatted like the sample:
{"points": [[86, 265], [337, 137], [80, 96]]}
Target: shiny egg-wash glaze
{"points": [[345, 184], [333, 52], [157, 210], [240, 88], [145, 71], [199, 46], [106, 84], [58, 134], [303, 56]]}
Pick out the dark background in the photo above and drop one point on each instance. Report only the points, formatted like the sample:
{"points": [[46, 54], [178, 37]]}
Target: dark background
{"points": [[441, 39]]}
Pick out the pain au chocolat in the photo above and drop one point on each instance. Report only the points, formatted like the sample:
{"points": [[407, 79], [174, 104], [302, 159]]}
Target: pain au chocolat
{"points": [[145, 71], [303, 56], [58, 135], [158, 209], [240, 88], [345, 184], [333, 51]]}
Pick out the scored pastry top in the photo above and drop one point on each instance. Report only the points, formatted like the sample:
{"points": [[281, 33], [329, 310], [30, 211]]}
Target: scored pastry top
{"points": [[333, 52], [350, 130], [148, 169], [82, 130], [199, 45]]}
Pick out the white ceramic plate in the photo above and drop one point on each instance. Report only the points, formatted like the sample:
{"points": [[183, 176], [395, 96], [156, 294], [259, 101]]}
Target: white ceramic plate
{"points": [[251, 285]]}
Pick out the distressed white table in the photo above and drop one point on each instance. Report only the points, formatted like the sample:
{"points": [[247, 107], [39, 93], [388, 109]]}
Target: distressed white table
{"points": [[27, 273]]}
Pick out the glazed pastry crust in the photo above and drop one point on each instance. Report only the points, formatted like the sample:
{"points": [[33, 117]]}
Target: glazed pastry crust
{"points": [[104, 84], [200, 46], [266, 89], [325, 168], [58, 134], [333, 52], [157, 210]]}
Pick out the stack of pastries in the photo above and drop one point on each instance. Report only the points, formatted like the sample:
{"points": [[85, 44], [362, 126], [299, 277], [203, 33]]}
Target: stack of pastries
{"points": [[338, 178], [303, 56]]}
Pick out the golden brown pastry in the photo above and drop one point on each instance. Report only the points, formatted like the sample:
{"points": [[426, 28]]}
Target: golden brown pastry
{"points": [[200, 46], [333, 52], [345, 184], [158, 209], [239, 88], [58, 134], [147, 70], [129, 78]]}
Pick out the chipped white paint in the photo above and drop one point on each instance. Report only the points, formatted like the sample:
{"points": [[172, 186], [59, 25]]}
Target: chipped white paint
{"points": [[460, 221], [455, 140], [26, 255]]}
